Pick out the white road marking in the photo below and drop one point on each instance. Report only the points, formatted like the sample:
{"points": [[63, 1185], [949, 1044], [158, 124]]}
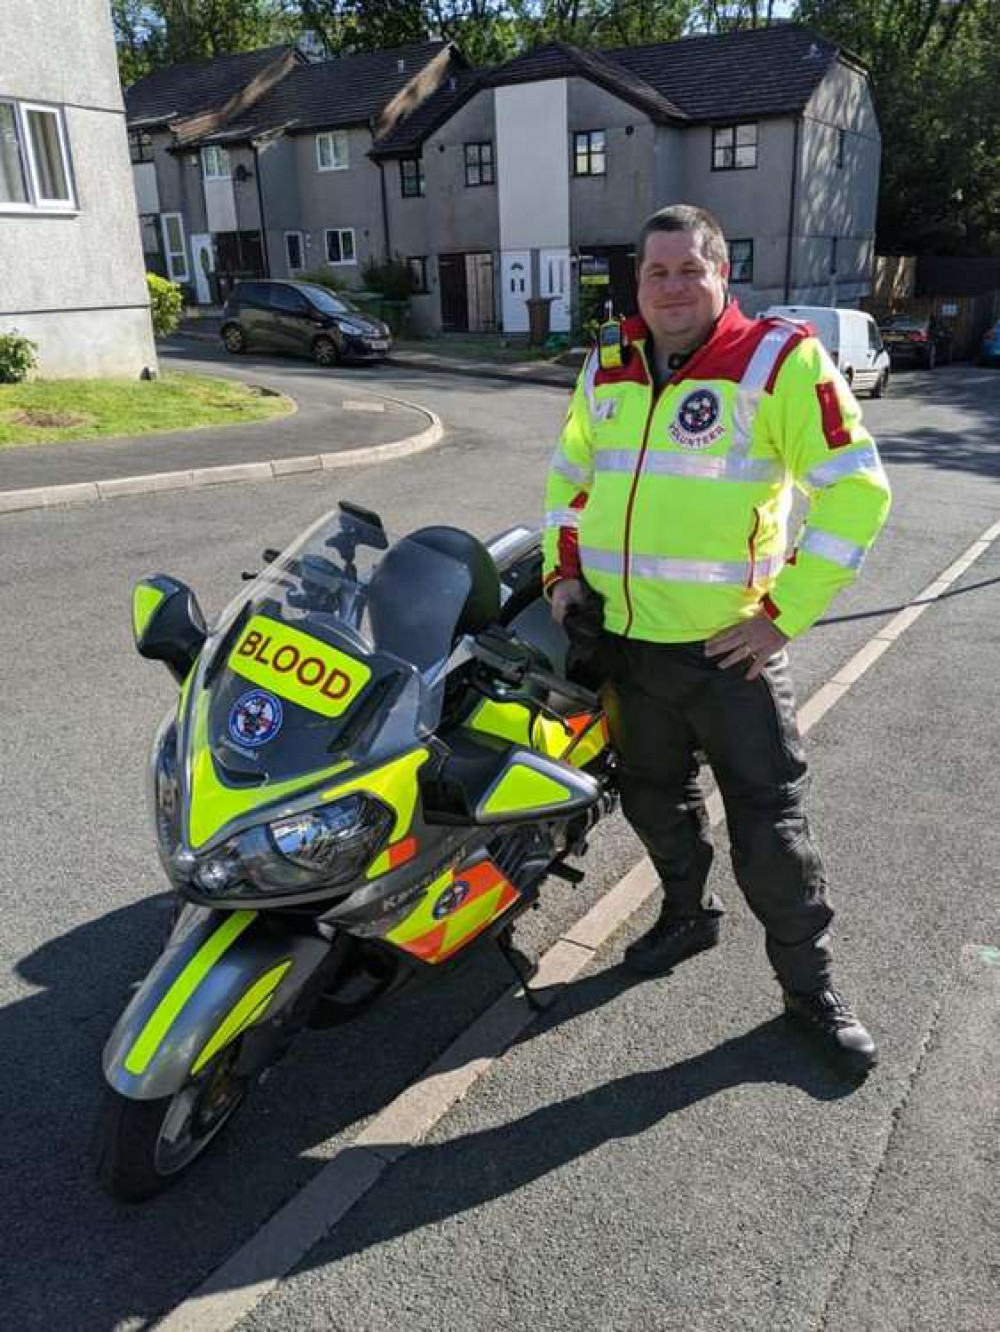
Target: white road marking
{"points": [[254, 1270], [362, 405]]}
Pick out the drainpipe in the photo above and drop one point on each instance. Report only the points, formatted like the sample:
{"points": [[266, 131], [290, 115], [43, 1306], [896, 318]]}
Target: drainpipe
{"points": [[260, 207], [791, 212], [385, 213]]}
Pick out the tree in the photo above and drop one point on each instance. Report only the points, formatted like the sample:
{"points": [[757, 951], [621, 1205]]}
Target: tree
{"points": [[935, 67]]}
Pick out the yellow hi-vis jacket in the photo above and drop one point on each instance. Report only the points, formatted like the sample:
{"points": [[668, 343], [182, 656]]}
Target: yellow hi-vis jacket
{"points": [[673, 506]]}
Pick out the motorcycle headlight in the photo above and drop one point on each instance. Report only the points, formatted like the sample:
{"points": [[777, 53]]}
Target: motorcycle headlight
{"points": [[310, 852], [336, 841]]}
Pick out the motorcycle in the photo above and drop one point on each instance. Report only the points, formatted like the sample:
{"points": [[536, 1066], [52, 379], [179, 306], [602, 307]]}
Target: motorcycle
{"points": [[375, 761]]}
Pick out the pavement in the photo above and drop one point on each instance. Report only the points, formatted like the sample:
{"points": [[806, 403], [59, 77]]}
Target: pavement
{"points": [[206, 329]]}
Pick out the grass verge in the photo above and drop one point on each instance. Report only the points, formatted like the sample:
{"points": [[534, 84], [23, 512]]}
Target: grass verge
{"points": [[50, 411]]}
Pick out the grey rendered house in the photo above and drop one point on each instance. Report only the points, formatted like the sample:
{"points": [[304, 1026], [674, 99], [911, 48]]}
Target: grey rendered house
{"points": [[537, 174], [71, 274], [530, 179], [257, 164]]}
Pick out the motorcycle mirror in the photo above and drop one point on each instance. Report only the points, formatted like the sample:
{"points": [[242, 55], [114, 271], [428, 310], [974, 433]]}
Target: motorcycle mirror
{"points": [[167, 623], [355, 517]]}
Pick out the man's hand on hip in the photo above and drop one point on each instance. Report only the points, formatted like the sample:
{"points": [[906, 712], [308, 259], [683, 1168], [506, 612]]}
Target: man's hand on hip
{"points": [[755, 641], [567, 592]]}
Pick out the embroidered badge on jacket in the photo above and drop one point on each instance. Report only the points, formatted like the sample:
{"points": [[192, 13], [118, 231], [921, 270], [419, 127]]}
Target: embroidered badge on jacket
{"points": [[696, 424]]}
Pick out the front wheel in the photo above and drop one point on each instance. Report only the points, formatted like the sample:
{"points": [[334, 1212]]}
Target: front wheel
{"points": [[234, 340], [881, 385], [144, 1146], [325, 352]]}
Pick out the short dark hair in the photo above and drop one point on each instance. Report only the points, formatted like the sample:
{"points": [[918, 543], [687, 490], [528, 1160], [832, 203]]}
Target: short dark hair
{"points": [[686, 217]]}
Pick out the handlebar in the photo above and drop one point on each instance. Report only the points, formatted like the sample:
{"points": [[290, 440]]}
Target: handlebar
{"points": [[513, 662]]}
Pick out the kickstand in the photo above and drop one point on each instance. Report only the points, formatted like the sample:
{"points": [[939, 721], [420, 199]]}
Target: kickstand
{"points": [[520, 966]]}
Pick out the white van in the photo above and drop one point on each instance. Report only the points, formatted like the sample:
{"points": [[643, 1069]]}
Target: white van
{"points": [[852, 339]]}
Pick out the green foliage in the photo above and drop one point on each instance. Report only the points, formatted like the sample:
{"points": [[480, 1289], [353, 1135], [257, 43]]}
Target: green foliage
{"points": [[324, 277], [391, 278], [166, 302], [151, 34], [936, 75], [17, 357]]}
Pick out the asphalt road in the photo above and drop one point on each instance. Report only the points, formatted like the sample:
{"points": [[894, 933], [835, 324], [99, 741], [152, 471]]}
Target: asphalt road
{"points": [[657, 1156]]}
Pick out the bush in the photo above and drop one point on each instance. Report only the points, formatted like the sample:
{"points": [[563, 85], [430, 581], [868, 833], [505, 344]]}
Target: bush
{"points": [[165, 304], [324, 277], [393, 278], [17, 357]]}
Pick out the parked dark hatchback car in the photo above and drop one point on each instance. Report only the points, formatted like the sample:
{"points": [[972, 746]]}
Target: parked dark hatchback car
{"points": [[299, 317], [989, 348], [919, 338]]}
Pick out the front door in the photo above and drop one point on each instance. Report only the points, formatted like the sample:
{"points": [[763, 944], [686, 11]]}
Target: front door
{"points": [[203, 257], [516, 285], [454, 300], [555, 283]]}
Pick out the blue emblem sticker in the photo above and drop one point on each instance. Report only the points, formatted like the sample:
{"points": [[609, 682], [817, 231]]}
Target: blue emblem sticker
{"points": [[255, 718], [451, 899], [696, 424]]}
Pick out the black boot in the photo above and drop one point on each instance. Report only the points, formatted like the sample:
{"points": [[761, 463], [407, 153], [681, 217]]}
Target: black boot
{"points": [[827, 1018], [671, 940]]}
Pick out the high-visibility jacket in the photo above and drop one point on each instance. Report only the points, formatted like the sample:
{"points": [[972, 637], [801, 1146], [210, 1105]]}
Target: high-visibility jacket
{"points": [[674, 505]]}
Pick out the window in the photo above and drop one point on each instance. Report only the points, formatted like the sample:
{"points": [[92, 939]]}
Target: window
{"points": [[215, 162], [34, 158], [411, 176], [140, 146], [331, 151], [418, 267], [173, 244], [340, 245], [589, 156], [293, 251], [479, 164], [740, 261], [841, 137], [286, 300], [734, 147]]}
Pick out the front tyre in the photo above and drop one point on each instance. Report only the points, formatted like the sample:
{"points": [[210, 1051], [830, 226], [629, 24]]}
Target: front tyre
{"points": [[234, 339], [324, 351], [144, 1146]]}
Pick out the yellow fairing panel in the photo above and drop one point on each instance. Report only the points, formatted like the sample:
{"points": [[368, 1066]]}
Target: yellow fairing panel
{"points": [[145, 600], [522, 789], [455, 909]]}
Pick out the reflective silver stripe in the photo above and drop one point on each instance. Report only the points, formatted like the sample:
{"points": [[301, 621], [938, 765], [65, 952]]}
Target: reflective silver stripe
{"points": [[561, 464], [706, 469], [562, 518], [848, 464], [680, 571], [752, 384], [589, 375], [833, 548]]}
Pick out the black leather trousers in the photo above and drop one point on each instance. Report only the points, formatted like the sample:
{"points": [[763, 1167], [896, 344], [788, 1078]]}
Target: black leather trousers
{"points": [[665, 701]]}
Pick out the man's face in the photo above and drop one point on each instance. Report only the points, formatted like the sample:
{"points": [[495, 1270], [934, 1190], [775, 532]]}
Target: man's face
{"points": [[681, 293]]}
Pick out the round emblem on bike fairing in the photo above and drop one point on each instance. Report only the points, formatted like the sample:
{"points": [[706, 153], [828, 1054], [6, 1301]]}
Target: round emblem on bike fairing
{"points": [[451, 899], [696, 424], [255, 718]]}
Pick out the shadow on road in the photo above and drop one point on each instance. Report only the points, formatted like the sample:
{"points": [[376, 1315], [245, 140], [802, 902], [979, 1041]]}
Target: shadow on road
{"points": [[72, 1257]]}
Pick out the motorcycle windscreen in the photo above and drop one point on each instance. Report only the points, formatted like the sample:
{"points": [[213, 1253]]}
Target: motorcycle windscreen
{"points": [[334, 652]]}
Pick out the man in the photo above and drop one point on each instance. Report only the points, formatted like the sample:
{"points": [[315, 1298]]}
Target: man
{"points": [[668, 497]]}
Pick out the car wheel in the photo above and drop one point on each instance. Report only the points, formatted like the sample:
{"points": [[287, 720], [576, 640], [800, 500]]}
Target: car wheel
{"points": [[931, 361], [881, 386], [234, 339], [325, 352]]}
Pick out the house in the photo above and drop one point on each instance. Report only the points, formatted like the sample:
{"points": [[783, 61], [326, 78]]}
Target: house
{"points": [[256, 164], [71, 274], [531, 179], [549, 163]]}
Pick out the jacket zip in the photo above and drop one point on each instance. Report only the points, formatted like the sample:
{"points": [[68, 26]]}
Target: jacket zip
{"points": [[752, 545]]}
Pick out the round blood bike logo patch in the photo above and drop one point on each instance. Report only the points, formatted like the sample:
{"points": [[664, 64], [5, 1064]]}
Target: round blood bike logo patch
{"points": [[696, 424], [255, 718], [451, 899]]}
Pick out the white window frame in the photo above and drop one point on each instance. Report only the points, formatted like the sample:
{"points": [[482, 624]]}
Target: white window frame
{"points": [[215, 148], [332, 137], [341, 232], [170, 254], [37, 202], [302, 252]]}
